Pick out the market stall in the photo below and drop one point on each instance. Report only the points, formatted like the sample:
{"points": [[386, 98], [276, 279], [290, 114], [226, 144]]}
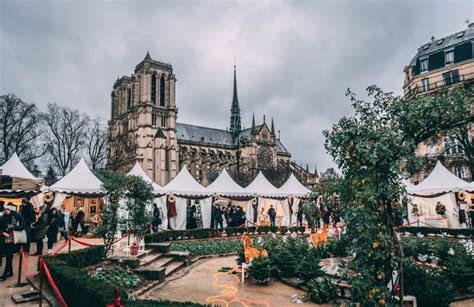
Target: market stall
{"points": [[435, 201], [295, 191]]}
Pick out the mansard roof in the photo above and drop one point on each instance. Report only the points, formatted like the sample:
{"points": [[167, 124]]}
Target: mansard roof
{"points": [[209, 136]]}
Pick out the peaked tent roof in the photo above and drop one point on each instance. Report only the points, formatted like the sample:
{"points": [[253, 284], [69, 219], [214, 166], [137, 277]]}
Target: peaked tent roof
{"points": [[226, 186], [80, 180], [293, 187], [439, 181], [138, 171], [185, 185], [262, 187], [15, 168]]}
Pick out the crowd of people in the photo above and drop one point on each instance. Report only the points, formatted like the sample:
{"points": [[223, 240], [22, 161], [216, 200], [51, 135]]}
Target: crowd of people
{"points": [[40, 226]]}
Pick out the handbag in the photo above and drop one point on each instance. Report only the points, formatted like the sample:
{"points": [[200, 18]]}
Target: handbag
{"points": [[19, 237], [8, 238]]}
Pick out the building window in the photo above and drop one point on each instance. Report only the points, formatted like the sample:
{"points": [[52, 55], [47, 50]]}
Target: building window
{"points": [[424, 65], [449, 57], [153, 89], [452, 146], [162, 91], [425, 83], [163, 121], [154, 115], [129, 99], [125, 127], [451, 77], [458, 170]]}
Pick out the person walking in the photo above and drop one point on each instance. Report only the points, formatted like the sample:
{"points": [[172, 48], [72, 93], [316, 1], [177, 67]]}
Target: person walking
{"points": [[39, 230], [299, 215], [272, 215], [156, 218], [217, 216], [12, 220], [52, 229], [28, 213], [62, 224], [79, 222]]}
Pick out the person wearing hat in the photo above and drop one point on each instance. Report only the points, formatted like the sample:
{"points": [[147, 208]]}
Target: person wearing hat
{"points": [[28, 213], [40, 230], [12, 220]]}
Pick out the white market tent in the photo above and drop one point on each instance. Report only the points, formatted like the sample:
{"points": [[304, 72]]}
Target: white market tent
{"points": [[292, 187], [138, 171], [440, 186], [260, 186], [22, 179], [267, 195], [439, 181], [80, 180], [224, 185], [185, 186]]}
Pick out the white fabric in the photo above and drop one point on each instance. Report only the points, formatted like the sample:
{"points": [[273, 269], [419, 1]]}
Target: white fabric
{"points": [[15, 168], [206, 212], [285, 206], [178, 222], [249, 213], [58, 200], [79, 180], [440, 180], [185, 185], [224, 185], [138, 171], [427, 210], [292, 187], [161, 202], [294, 218], [37, 200], [262, 187]]}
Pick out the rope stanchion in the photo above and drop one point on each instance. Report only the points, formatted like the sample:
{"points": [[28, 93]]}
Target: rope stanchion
{"points": [[52, 283], [60, 248], [25, 264], [82, 243]]}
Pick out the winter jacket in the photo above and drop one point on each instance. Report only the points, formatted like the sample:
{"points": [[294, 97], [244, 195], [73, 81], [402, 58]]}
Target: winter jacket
{"points": [[28, 213], [40, 227]]}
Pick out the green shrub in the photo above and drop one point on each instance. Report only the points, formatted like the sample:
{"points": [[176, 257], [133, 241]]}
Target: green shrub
{"points": [[284, 261], [83, 257], [429, 285], [260, 269], [309, 267], [283, 230], [468, 232], [297, 229], [460, 270], [338, 247], [321, 290], [207, 247], [165, 303]]}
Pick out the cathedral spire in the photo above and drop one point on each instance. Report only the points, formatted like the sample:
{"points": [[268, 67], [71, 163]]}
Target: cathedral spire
{"points": [[235, 124], [253, 122], [273, 128], [147, 56]]}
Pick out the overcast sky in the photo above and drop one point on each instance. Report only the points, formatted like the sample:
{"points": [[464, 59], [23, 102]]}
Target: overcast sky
{"points": [[295, 59]]}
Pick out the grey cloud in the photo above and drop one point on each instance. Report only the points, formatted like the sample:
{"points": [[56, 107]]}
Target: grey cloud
{"points": [[295, 59]]}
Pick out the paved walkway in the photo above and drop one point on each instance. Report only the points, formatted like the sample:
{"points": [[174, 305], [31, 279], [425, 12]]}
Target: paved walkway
{"points": [[6, 287]]}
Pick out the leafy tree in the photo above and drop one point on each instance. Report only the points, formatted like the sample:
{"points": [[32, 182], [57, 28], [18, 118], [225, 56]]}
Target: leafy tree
{"points": [[50, 178], [374, 148], [260, 269], [20, 129], [138, 196], [97, 143]]}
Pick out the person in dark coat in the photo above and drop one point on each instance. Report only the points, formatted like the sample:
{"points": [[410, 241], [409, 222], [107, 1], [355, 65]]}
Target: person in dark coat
{"points": [[62, 224], [79, 220], [156, 218], [190, 216], [326, 217], [39, 230], [217, 216], [12, 220], [28, 213], [272, 215], [299, 215], [52, 229]]}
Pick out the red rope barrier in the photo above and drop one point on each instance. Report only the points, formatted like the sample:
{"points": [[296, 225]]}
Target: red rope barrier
{"points": [[52, 283], [25, 264], [60, 248], [82, 243]]}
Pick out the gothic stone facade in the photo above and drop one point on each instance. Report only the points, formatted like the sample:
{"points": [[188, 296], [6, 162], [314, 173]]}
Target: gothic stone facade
{"points": [[144, 128]]}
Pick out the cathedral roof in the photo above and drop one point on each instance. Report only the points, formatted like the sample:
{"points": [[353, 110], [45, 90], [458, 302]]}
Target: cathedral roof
{"points": [[208, 136]]}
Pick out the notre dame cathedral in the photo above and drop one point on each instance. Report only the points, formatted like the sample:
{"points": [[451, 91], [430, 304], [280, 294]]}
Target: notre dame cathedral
{"points": [[143, 127]]}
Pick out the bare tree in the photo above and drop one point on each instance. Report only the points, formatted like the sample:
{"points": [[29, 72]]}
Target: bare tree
{"points": [[120, 152], [66, 136], [97, 143], [20, 127]]}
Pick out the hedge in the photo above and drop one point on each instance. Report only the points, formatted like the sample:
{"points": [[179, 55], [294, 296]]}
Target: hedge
{"points": [[146, 303], [169, 235], [83, 257], [468, 232]]}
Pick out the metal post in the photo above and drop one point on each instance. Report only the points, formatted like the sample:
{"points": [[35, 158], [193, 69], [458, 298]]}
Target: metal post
{"points": [[69, 244], [41, 287], [128, 237], [18, 283]]}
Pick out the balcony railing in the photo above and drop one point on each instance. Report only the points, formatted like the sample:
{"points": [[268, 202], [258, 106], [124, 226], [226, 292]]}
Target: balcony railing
{"points": [[439, 85]]}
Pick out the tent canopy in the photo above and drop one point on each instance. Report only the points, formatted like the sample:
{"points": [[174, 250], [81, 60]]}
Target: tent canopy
{"points": [[138, 171], [15, 168], [439, 181], [185, 185], [292, 187], [260, 186], [80, 180], [224, 185]]}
